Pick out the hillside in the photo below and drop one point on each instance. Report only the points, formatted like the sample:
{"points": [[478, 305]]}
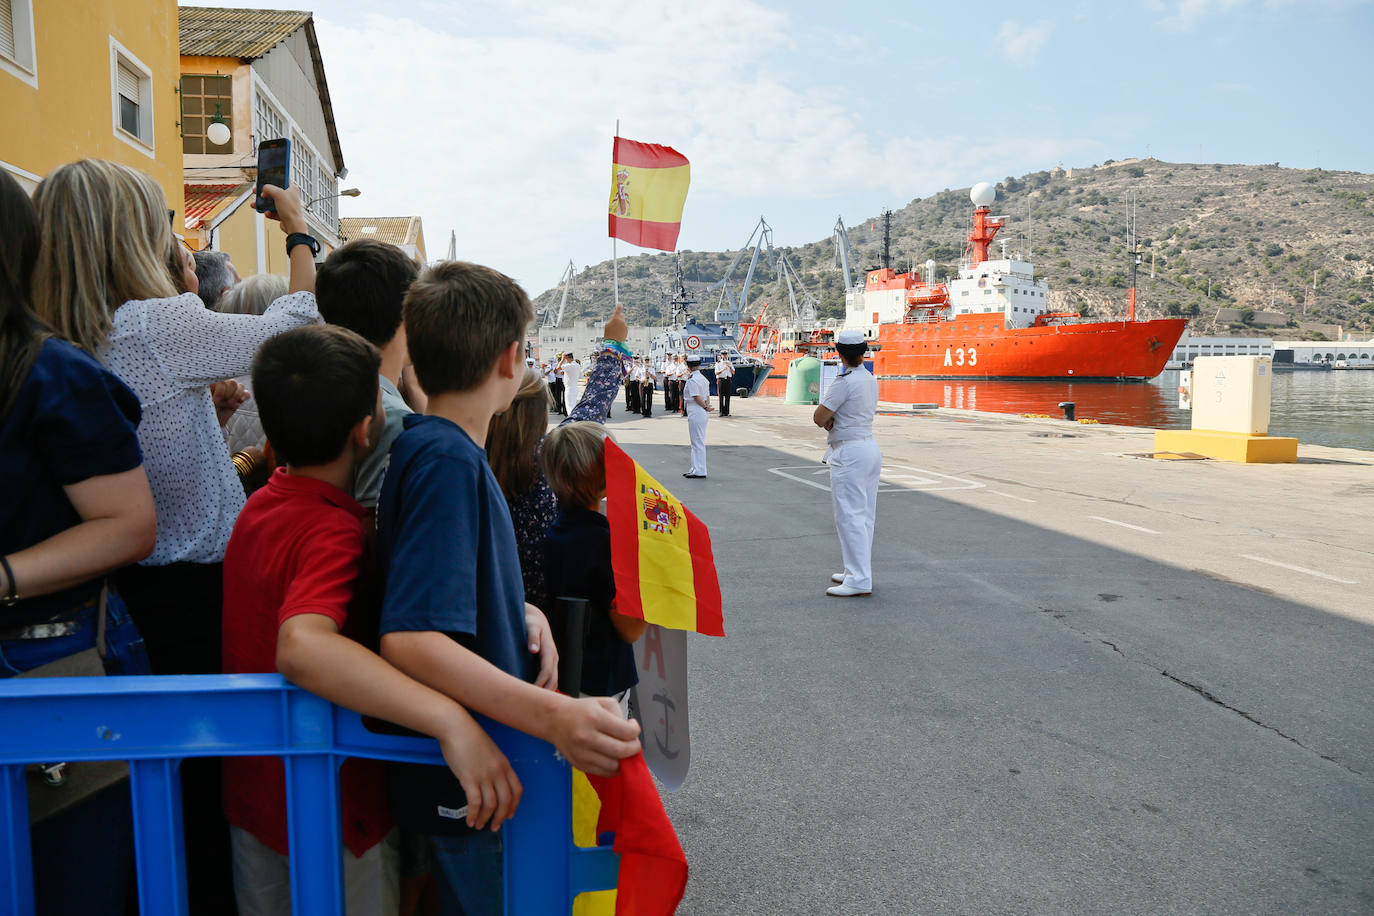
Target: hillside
{"points": [[1236, 246]]}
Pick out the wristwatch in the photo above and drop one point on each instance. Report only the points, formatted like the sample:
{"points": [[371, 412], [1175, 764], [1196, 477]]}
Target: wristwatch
{"points": [[302, 238]]}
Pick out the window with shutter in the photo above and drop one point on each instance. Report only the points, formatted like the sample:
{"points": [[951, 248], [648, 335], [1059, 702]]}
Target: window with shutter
{"points": [[128, 99], [7, 44], [131, 97]]}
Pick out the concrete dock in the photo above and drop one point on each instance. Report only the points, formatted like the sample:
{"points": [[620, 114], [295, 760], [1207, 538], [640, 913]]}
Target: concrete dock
{"points": [[1086, 682]]}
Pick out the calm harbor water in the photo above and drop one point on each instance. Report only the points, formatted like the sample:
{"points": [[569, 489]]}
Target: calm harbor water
{"points": [[1333, 408]]}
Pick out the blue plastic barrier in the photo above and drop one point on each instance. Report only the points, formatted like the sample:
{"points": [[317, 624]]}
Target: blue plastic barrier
{"points": [[154, 722]]}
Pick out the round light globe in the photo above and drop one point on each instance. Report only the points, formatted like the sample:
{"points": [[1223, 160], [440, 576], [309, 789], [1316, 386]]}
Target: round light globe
{"points": [[218, 133]]}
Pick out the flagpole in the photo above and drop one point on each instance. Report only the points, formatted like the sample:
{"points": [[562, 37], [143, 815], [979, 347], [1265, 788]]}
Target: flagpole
{"points": [[615, 262]]}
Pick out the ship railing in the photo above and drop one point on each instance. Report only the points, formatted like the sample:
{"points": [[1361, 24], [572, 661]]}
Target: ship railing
{"points": [[156, 722]]}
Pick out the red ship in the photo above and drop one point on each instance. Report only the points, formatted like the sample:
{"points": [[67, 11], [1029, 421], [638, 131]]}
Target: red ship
{"points": [[992, 321]]}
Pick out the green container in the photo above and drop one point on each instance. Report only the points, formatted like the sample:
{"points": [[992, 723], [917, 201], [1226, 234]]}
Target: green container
{"points": [[803, 381]]}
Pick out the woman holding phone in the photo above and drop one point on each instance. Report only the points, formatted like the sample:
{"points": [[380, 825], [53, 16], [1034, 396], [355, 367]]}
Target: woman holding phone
{"points": [[101, 282]]}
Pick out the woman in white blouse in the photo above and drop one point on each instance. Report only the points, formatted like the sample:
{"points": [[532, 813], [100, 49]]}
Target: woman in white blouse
{"points": [[101, 282]]}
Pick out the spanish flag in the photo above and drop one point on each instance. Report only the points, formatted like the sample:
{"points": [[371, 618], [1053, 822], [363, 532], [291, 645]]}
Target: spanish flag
{"points": [[653, 867], [648, 188], [660, 552]]}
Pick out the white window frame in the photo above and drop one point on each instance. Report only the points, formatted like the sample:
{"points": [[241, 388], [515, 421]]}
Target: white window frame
{"points": [[24, 64], [121, 55], [265, 106]]}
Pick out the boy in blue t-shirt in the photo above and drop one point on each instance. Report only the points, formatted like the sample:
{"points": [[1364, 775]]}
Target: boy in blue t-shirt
{"points": [[453, 613]]}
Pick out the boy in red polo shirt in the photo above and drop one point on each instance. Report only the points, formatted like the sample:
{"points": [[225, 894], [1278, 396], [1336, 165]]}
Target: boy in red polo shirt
{"points": [[294, 575]]}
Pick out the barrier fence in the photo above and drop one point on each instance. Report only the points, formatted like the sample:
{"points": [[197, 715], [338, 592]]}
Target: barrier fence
{"points": [[155, 722]]}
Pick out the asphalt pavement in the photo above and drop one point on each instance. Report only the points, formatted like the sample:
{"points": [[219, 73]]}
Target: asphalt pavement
{"points": [[1086, 682]]}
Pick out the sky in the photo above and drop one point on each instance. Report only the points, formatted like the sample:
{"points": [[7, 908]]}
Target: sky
{"points": [[495, 118]]}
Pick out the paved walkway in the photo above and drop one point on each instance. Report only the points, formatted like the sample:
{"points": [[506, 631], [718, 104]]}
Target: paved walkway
{"points": [[1085, 683]]}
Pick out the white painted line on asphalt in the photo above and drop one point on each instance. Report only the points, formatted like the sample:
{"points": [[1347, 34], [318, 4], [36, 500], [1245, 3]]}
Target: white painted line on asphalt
{"points": [[896, 478], [1009, 496], [1301, 569], [1112, 521]]}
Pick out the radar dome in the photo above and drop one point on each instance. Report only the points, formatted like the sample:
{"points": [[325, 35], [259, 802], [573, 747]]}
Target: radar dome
{"points": [[983, 194]]}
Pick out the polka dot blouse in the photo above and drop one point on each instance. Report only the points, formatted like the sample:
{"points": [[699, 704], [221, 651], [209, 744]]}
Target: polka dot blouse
{"points": [[169, 351]]}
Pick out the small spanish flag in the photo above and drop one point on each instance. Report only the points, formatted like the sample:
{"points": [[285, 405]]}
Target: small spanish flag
{"points": [[660, 552], [648, 188], [653, 868]]}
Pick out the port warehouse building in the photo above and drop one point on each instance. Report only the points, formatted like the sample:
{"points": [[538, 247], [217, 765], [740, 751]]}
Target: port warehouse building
{"points": [[1353, 352]]}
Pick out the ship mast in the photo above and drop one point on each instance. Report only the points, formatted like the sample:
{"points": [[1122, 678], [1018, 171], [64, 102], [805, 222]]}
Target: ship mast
{"points": [[887, 239], [1133, 247], [984, 226]]}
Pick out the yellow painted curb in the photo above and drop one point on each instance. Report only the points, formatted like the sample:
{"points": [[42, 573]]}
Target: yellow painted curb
{"points": [[1239, 447]]}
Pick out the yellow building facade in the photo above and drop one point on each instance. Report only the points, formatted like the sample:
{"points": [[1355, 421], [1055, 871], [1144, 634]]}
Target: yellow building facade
{"points": [[91, 80]]}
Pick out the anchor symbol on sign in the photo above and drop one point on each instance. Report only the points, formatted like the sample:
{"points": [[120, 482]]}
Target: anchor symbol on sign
{"points": [[668, 706]]}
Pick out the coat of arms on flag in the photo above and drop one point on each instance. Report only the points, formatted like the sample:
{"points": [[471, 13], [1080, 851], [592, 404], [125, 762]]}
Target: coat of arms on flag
{"points": [[648, 189], [661, 554]]}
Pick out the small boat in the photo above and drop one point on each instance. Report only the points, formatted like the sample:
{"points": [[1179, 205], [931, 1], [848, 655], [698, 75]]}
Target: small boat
{"points": [[706, 340]]}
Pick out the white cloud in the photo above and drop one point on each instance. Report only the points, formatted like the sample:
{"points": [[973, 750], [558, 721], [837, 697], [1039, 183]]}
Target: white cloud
{"points": [[1020, 44], [497, 121]]}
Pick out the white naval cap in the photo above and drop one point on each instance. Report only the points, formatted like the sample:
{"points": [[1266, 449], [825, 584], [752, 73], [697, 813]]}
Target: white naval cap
{"points": [[850, 336]]}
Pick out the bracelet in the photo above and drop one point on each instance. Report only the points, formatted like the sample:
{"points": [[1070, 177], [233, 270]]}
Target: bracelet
{"points": [[13, 593], [617, 347]]}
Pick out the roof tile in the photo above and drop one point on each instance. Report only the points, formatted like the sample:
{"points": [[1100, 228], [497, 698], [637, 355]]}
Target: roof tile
{"points": [[204, 201], [395, 230], [219, 32]]}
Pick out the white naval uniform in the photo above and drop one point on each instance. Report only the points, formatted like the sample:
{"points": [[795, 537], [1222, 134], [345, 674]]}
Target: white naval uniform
{"points": [[572, 383], [697, 386], [855, 463]]}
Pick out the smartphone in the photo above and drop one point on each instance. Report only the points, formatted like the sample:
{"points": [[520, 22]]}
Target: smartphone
{"points": [[274, 168]]}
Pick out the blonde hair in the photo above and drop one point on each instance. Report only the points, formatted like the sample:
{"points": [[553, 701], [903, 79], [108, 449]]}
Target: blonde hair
{"points": [[574, 460], [104, 239], [513, 436], [252, 295]]}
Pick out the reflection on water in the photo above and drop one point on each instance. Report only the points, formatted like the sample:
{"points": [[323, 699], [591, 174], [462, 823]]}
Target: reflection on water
{"points": [[1318, 408]]}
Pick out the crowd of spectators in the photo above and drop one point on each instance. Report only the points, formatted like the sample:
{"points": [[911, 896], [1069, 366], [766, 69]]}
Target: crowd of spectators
{"points": [[343, 476]]}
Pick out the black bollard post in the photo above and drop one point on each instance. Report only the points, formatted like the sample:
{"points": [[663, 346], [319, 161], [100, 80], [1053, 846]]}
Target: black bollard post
{"points": [[1067, 407]]}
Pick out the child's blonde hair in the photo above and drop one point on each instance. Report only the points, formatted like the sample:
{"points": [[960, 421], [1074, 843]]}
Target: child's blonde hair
{"points": [[574, 460]]}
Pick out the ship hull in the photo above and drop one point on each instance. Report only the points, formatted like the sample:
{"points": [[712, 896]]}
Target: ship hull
{"points": [[981, 347], [749, 378]]}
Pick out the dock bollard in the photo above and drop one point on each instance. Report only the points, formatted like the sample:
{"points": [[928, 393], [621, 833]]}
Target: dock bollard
{"points": [[1067, 407]]}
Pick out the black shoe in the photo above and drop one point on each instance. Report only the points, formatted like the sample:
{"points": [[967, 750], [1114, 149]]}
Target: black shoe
{"points": [[695, 476]]}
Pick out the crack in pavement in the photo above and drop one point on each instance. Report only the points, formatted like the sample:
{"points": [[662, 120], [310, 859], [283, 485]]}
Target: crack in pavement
{"points": [[1062, 619], [1213, 698]]}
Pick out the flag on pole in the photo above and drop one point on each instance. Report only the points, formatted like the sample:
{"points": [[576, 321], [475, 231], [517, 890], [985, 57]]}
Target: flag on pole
{"points": [[660, 552], [648, 188]]}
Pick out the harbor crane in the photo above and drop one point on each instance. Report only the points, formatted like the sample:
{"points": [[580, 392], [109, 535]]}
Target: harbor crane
{"points": [[567, 281], [804, 312], [841, 239], [760, 238]]}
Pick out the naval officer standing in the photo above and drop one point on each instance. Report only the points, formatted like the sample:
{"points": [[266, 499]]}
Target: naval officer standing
{"points": [[696, 399], [846, 413]]}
